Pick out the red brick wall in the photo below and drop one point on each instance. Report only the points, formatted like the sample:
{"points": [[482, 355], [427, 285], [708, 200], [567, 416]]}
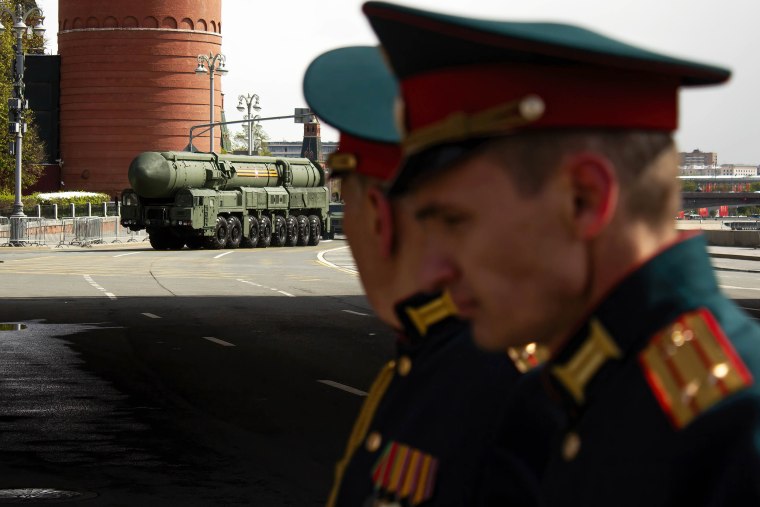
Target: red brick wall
{"points": [[128, 83]]}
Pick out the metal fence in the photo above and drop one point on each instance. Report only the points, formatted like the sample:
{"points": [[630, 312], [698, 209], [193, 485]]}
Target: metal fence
{"points": [[78, 231]]}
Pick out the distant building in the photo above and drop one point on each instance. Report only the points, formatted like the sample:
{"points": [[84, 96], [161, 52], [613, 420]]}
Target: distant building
{"points": [[738, 170], [698, 158], [293, 148], [718, 170]]}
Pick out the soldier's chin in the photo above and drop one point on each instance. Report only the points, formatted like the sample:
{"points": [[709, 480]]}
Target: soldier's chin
{"points": [[487, 338]]}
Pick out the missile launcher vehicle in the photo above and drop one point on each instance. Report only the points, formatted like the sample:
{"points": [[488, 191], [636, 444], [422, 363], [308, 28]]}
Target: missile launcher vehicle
{"points": [[225, 201]]}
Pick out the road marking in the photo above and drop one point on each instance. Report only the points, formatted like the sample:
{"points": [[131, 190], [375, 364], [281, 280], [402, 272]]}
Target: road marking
{"points": [[327, 241], [740, 288], [321, 260], [218, 341], [356, 313], [130, 253], [343, 387], [222, 255], [151, 315], [749, 309], [96, 286], [273, 289]]}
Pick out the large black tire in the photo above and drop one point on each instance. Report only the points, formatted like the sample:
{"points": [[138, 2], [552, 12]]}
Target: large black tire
{"points": [[236, 232], [280, 232], [175, 242], [265, 232], [157, 238], [194, 242], [221, 233], [303, 230], [291, 238], [315, 230], [253, 234], [164, 239]]}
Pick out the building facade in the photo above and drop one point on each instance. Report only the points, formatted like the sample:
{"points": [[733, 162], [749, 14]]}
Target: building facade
{"points": [[128, 84], [698, 158]]}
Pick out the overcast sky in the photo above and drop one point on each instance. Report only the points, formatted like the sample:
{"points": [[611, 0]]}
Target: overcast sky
{"points": [[269, 44]]}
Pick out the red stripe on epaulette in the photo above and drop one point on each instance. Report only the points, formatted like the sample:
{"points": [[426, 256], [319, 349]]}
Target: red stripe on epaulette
{"points": [[691, 365]]}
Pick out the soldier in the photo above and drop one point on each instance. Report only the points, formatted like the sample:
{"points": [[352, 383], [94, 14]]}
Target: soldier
{"points": [[539, 159], [431, 414]]}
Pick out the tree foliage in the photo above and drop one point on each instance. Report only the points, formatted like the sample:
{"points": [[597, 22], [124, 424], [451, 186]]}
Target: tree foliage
{"points": [[260, 137], [33, 148]]}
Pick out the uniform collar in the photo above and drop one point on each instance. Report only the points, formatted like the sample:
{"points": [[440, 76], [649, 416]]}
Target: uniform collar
{"points": [[676, 280], [424, 315]]}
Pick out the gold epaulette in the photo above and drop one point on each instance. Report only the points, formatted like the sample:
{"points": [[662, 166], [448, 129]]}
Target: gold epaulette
{"points": [[594, 352], [691, 365], [528, 357], [432, 312], [361, 426]]}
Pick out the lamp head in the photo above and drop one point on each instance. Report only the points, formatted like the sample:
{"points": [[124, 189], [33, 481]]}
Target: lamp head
{"points": [[39, 29], [200, 69], [240, 106]]}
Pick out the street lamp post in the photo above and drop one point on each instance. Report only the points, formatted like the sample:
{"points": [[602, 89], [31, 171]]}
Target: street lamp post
{"points": [[251, 101], [212, 64], [17, 104]]}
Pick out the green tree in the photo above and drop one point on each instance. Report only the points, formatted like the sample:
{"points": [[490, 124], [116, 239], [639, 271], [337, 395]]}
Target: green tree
{"points": [[260, 138], [33, 148]]}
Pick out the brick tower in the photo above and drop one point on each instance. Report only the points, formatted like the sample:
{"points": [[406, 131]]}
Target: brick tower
{"points": [[128, 83], [311, 147]]}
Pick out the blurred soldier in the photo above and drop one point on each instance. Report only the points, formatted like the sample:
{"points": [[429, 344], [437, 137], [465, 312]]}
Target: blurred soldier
{"points": [[430, 416], [540, 161]]}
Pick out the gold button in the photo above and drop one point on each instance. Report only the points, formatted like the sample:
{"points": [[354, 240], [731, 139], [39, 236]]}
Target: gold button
{"points": [[404, 366], [571, 446], [373, 441]]}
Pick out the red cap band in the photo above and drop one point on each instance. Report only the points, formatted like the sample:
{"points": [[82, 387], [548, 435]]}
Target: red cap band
{"points": [[375, 159]]}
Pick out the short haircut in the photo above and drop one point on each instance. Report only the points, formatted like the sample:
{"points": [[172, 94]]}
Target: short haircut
{"points": [[644, 162]]}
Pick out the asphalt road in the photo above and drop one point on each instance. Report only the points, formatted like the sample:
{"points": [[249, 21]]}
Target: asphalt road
{"points": [[182, 378], [193, 378]]}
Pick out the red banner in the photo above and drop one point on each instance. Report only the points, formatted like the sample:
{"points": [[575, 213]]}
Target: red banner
{"points": [[703, 212], [723, 211]]}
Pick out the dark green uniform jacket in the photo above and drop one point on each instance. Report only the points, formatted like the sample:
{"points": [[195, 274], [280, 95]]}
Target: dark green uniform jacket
{"points": [[429, 419], [660, 388]]}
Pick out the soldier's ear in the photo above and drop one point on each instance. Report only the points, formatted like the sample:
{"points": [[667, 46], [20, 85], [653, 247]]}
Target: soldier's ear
{"points": [[383, 226], [595, 189]]}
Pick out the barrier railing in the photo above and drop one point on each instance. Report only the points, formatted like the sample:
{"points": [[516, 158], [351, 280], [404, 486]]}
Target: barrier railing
{"points": [[81, 231]]}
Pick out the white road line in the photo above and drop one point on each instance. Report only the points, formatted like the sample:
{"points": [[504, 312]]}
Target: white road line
{"points": [[749, 309], [222, 255], [739, 288], [151, 315], [343, 387], [273, 289], [130, 253], [97, 286], [356, 313], [218, 341], [321, 260], [327, 241]]}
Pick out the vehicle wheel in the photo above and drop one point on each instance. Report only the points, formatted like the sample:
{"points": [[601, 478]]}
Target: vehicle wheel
{"points": [[253, 234], [221, 233], [292, 233], [265, 232], [303, 231], [157, 238], [315, 230], [280, 231], [194, 242], [236, 232], [174, 242]]}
